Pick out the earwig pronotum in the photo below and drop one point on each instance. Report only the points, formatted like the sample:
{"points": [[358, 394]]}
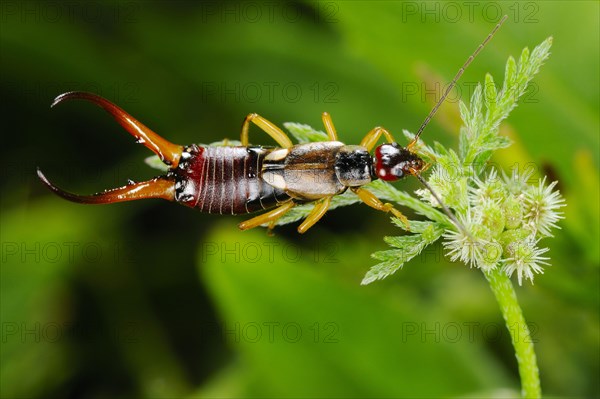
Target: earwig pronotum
{"points": [[244, 179]]}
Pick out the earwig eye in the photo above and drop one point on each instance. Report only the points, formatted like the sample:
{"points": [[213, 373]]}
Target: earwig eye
{"points": [[397, 171]]}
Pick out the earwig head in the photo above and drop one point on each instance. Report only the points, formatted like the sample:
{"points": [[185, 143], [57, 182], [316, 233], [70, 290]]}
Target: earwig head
{"points": [[393, 162]]}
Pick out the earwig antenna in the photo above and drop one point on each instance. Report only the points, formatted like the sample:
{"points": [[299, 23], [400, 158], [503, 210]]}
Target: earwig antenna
{"points": [[447, 211], [458, 75]]}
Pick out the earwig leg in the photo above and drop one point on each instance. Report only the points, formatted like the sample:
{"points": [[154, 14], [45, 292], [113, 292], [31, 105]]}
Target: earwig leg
{"points": [[315, 215], [413, 143], [269, 127], [373, 136], [267, 217], [329, 127], [168, 152], [159, 187], [371, 200], [270, 227]]}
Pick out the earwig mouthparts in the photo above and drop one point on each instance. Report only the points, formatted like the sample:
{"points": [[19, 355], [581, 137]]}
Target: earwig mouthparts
{"points": [[159, 187], [168, 152]]}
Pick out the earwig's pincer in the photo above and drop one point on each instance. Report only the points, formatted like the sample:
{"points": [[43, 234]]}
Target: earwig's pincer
{"points": [[159, 187], [168, 152]]}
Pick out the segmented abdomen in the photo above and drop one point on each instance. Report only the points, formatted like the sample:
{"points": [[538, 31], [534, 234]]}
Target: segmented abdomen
{"points": [[225, 180]]}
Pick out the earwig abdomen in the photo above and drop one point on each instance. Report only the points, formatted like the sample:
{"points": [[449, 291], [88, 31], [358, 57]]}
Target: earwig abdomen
{"points": [[225, 180]]}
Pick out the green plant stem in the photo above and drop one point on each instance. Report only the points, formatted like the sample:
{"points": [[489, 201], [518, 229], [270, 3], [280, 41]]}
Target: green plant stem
{"points": [[519, 332]]}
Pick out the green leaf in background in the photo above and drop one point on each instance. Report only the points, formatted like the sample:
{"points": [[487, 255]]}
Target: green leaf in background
{"points": [[34, 292], [41, 334], [299, 334]]}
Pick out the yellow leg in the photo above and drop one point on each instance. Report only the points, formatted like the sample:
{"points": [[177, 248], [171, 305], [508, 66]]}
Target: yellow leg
{"points": [[267, 217], [412, 144], [329, 127], [269, 127], [370, 199], [373, 136], [270, 227], [315, 215]]}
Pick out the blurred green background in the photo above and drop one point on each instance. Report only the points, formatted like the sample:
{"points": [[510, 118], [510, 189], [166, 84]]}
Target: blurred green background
{"points": [[150, 299]]}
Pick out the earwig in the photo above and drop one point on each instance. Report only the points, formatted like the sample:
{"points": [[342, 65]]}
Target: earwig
{"points": [[245, 179]]}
